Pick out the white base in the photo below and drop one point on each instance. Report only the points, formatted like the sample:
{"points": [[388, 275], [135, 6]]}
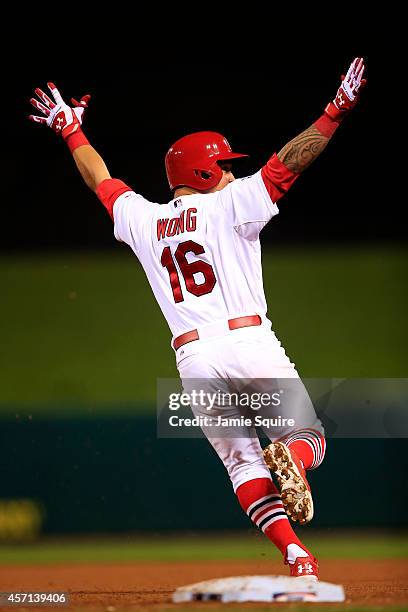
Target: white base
{"points": [[260, 588]]}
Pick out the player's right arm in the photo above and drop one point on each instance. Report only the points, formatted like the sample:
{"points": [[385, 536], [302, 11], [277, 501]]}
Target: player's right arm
{"points": [[91, 166], [67, 121]]}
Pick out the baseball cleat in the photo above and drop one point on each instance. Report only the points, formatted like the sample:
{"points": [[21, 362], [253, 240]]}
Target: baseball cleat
{"points": [[304, 567], [295, 490]]}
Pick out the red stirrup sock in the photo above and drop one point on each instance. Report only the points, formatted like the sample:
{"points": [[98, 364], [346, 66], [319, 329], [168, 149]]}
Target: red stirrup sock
{"points": [[309, 445], [261, 500]]}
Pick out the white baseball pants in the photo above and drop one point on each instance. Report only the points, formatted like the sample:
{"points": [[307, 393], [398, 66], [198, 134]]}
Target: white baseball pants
{"points": [[250, 358]]}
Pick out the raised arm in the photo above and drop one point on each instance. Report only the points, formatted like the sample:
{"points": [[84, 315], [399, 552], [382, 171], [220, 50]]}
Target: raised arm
{"points": [[300, 152], [282, 169], [91, 166], [66, 121]]}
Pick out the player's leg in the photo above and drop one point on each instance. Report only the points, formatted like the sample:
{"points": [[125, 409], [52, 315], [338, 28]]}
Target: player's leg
{"points": [[240, 451], [290, 472], [301, 447], [238, 447], [295, 448], [308, 445], [260, 499]]}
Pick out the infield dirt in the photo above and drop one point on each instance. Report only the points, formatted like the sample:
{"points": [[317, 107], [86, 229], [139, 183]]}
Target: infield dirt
{"points": [[149, 586]]}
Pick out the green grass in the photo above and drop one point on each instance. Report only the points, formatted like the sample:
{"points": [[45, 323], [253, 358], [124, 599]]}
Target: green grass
{"points": [[200, 548], [84, 329]]}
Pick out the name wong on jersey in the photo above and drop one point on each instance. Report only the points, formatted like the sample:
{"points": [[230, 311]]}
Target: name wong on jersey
{"points": [[186, 222]]}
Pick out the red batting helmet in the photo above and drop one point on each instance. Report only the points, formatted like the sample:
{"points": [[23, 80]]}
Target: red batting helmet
{"points": [[192, 160]]}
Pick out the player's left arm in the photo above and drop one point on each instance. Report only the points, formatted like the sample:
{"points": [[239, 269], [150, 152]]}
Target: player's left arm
{"points": [[284, 167], [300, 152]]}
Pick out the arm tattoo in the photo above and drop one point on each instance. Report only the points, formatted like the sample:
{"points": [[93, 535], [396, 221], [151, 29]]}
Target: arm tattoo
{"points": [[299, 153]]}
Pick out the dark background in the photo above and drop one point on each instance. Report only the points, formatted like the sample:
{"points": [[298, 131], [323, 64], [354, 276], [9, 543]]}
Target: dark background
{"points": [[138, 110]]}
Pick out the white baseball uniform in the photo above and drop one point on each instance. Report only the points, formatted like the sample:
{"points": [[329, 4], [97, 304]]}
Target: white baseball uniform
{"points": [[219, 230], [202, 256]]}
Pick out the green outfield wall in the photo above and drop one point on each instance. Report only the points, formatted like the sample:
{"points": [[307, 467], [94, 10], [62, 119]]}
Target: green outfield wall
{"points": [[107, 474], [84, 329]]}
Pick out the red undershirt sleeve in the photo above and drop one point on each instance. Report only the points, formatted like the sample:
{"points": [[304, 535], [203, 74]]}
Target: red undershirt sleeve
{"points": [[326, 125], [108, 192], [277, 178]]}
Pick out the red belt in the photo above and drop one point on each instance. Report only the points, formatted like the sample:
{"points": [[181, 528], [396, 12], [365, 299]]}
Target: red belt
{"points": [[192, 335]]}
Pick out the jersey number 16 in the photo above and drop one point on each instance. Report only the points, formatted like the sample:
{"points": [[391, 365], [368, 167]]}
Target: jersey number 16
{"points": [[188, 270]]}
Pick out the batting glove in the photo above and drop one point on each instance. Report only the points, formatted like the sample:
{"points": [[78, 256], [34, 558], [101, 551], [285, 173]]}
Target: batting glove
{"points": [[348, 92], [59, 116]]}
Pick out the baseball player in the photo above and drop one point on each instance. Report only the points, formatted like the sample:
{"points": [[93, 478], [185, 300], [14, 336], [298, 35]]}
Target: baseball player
{"points": [[201, 254]]}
